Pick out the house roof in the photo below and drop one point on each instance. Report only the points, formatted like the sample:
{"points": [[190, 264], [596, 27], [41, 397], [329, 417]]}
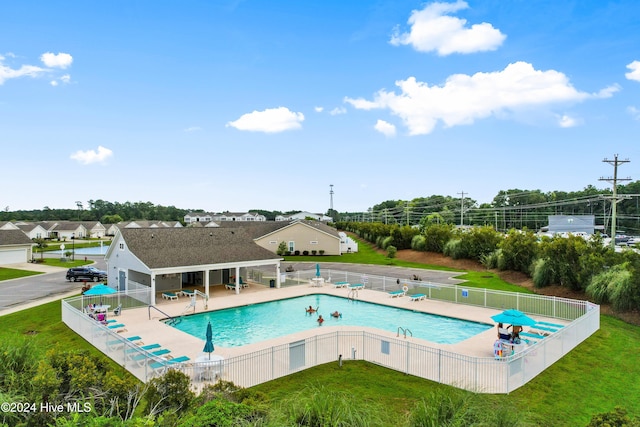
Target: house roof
{"points": [[260, 229], [14, 237], [176, 247]]}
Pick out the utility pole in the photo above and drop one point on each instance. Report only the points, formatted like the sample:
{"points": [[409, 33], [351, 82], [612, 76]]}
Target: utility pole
{"points": [[462, 209], [614, 199]]}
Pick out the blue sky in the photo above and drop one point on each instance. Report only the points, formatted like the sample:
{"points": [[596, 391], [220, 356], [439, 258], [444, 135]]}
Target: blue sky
{"points": [[236, 105]]}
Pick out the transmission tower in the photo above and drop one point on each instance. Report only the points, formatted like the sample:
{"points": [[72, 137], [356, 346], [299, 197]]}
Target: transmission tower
{"points": [[615, 199]]}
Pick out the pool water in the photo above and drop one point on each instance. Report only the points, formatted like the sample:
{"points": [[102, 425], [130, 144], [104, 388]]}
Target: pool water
{"points": [[238, 326]]}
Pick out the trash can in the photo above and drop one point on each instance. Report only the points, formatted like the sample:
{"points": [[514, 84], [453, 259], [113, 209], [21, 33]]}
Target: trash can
{"points": [[272, 283]]}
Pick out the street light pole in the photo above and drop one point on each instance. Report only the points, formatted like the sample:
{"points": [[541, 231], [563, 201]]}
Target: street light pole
{"points": [[73, 250]]}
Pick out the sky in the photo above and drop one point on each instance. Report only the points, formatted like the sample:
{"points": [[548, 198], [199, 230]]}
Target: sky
{"points": [[239, 105]]}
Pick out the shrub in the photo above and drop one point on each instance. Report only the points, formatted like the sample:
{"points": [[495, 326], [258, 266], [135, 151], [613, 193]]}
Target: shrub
{"points": [[314, 252], [296, 253], [170, 392], [418, 242], [282, 248], [453, 249], [305, 253], [617, 417], [436, 237], [321, 251], [490, 260], [542, 273], [391, 251], [615, 286], [386, 242]]}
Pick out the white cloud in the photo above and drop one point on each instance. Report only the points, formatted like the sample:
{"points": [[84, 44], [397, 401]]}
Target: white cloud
{"points": [[337, 111], [432, 30], [634, 74], [271, 120], [385, 128], [566, 121], [635, 113], [318, 109], [65, 78], [193, 129], [90, 156], [61, 60], [7, 73], [462, 99], [53, 83]]}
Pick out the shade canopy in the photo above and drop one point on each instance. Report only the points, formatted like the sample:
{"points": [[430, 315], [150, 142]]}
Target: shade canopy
{"points": [[100, 290], [208, 345], [514, 317]]}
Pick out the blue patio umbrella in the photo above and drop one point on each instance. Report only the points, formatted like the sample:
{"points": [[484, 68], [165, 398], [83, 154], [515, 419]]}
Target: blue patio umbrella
{"points": [[208, 345], [514, 317], [100, 290], [317, 270]]}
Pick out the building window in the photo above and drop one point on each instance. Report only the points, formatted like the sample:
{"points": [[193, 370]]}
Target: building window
{"points": [[292, 247], [122, 246]]}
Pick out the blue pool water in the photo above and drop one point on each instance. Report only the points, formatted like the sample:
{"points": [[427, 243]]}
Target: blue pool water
{"points": [[249, 324], [97, 250]]}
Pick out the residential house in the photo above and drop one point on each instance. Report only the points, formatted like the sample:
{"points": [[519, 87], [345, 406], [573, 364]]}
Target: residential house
{"points": [[194, 217], [15, 247], [305, 215]]}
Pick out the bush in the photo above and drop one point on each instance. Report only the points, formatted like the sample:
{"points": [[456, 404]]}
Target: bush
{"points": [[615, 286], [391, 252], [282, 248], [321, 251], [418, 243], [616, 418], [305, 253], [314, 252], [542, 273], [296, 253], [170, 392], [453, 249]]}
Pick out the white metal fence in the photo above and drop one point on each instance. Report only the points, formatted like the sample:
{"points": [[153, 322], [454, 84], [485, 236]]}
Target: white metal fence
{"points": [[484, 375]]}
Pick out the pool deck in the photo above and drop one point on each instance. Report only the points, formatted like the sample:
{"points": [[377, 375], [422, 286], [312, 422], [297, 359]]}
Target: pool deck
{"points": [[147, 322]]}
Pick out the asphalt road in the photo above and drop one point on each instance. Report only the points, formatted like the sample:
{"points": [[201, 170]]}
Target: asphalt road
{"points": [[51, 283]]}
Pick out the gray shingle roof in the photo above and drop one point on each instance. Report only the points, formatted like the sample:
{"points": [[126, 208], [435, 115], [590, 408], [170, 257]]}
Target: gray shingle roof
{"points": [[14, 237], [262, 228], [176, 247]]}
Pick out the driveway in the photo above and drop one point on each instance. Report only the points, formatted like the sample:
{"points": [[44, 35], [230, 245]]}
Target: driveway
{"points": [[16, 294]]}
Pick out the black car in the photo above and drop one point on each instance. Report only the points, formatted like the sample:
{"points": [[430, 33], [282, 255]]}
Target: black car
{"points": [[85, 274]]}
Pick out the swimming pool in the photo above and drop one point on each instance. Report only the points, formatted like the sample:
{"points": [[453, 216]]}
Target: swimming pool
{"points": [[238, 326]]}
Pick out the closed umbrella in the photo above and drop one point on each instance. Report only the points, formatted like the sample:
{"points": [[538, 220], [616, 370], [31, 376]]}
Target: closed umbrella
{"points": [[208, 345], [514, 317], [317, 270]]}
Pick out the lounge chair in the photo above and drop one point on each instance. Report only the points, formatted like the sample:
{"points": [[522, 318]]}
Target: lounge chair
{"points": [[187, 292], [143, 347], [160, 367], [117, 310], [395, 294], [143, 358], [417, 297], [116, 344], [341, 284], [551, 325], [539, 327], [231, 286], [356, 286], [115, 326], [243, 284], [530, 335], [169, 295]]}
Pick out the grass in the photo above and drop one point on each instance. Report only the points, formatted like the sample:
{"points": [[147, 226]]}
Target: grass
{"points": [[14, 273]]}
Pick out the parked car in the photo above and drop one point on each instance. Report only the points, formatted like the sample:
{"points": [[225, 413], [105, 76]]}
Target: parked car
{"points": [[85, 274]]}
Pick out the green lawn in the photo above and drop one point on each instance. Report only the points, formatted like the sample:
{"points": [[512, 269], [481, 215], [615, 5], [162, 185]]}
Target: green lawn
{"points": [[595, 377]]}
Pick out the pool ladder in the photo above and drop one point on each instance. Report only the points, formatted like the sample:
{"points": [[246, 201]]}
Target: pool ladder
{"points": [[353, 294], [404, 332]]}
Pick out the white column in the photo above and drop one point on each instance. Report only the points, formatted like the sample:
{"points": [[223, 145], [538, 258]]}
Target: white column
{"points": [[153, 288], [237, 280], [278, 275], [206, 282]]}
